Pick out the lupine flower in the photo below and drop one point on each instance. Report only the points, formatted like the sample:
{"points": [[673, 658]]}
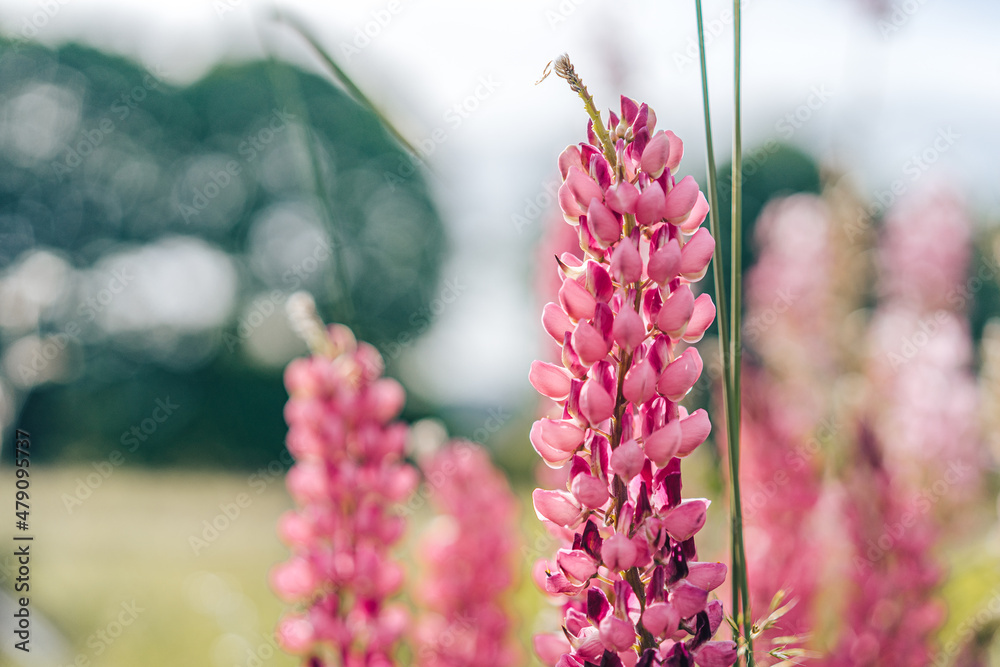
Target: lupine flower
{"points": [[469, 552], [634, 590], [788, 324], [891, 615], [349, 473], [921, 347]]}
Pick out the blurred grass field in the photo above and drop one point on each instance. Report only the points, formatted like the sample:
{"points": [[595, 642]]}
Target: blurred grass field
{"points": [[126, 551]]}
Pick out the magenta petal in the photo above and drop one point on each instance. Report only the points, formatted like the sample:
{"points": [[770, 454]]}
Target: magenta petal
{"points": [[688, 599], [708, 576], [662, 445], [570, 157], [561, 434], [628, 329], [649, 208], [676, 149], [616, 634], [576, 300], [626, 262], [596, 403], [567, 203], [701, 318], [590, 491], [557, 583], [716, 654], [576, 564], [715, 616], [655, 154], [618, 553], [675, 312], [640, 383], [599, 281], [549, 648], [686, 519], [694, 431], [697, 215], [583, 187], [550, 380], [660, 618], [589, 344], [556, 322], [680, 375], [627, 460], [604, 225], [696, 254], [680, 200], [622, 197], [629, 109], [553, 457], [665, 262], [558, 507]]}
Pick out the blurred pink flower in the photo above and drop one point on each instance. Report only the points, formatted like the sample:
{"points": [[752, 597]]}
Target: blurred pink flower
{"points": [[634, 591], [469, 557], [348, 475]]}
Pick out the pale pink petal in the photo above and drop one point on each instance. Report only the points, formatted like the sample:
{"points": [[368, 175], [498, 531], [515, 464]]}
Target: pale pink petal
{"points": [[680, 375], [697, 215], [622, 197], [649, 208], [686, 519], [618, 553], [640, 383], [716, 654], [694, 431], [676, 147], [708, 576], [576, 300], [558, 507], [583, 187], [688, 599], [626, 263], [590, 491], [681, 199], [701, 318], [556, 322], [665, 262], [655, 155], [570, 157], [589, 344], [675, 312], [629, 330], [660, 618], [577, 564], [627, 460], [696, 254], [616, 634], [662, 444], [549, 648], [604, 224], [550, 380], [596, 403]]}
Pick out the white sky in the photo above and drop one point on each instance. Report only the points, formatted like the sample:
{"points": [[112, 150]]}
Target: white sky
{"points": [[889, 96]]}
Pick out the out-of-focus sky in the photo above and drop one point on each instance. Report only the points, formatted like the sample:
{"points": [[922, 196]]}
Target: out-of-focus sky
{"points": [[865, 94]]}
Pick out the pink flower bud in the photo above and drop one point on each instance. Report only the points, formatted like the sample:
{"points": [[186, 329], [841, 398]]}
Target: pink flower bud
{"points": [[589, 344], [680, 200], [701, 318], [675, 312], [558, 507], [618, 553], [654, 156], [596, 403], [626, 263], [688, 599], [556, 322], [662, 445], [694, 431], [665, 262], [696, 254], [686, 519], [617, 634], [627, 460], [590, 491], [649, 208], [622, 198], [661, 619], [550, 380], [640, 382], [576, 300], [604, 225]]}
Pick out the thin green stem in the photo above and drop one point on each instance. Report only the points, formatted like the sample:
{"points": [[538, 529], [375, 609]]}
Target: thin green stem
{"points": [[564, 68], [735, 339], [722, 304]]}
